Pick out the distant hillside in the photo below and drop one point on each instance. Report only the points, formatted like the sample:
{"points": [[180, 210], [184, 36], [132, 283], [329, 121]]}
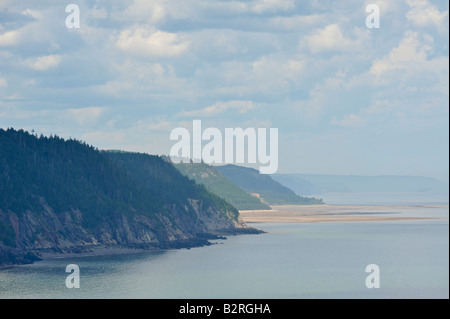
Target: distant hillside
{"points": [[217, 183], [65, 196], [271, 192], [307, 184]]}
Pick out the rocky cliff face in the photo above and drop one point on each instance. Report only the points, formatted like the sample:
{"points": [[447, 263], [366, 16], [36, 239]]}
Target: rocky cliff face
{"points": [[65, 196], [64, 232]]}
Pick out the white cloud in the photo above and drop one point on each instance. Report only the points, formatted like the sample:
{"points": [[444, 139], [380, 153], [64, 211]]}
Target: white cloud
{"points": [[33, 13], [132, 69], [150, 11], [331, 38], [423, 13], [4, 4], [388, 9], [350, 121], [115, 88], [143, 79], [35, 29], [98, 13], [10, 38], [410, 62], [43, 63], [410, 81], [220, 107], [261, 6], [269, 67], [155, 125], [12, 112], [83, 116], [305, 68], [408, 52], [297, 22], [144, 42]]}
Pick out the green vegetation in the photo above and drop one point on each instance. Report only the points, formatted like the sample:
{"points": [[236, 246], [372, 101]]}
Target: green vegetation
{"points": [[161, 177], [66, 196], [269, 190], [68, 175], [218, 184], [71, 175], [7, 235]]}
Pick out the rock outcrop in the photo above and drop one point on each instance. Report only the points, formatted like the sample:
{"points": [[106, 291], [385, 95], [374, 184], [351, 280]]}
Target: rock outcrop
{"points": [[66, 197]]}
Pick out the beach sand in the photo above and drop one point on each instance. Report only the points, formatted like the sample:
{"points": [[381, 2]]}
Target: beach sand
{"points": [[328, 213]]}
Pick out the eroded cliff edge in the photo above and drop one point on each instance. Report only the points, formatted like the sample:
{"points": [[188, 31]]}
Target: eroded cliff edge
{"points": [[64, 196]]}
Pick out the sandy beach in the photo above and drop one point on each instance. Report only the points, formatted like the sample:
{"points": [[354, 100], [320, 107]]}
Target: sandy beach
{"points": [[329, 213]]}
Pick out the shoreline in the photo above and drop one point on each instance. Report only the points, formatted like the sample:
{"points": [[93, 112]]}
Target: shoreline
{"points": [[278, 214], [332, 213], [101, 250], [80, 251], [95, 251]]}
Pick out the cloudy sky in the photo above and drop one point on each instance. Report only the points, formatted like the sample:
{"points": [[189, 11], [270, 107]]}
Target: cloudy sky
{"points": [[346, 99]]}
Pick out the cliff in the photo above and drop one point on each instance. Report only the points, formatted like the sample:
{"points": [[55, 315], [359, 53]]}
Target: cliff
{"points": [[65, 196]]}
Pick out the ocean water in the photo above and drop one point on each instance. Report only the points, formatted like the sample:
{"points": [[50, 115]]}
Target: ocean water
{"points": [[316, 260], [379, 198]]}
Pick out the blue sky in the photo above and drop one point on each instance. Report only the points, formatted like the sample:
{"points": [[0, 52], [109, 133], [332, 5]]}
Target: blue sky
{"points": [[346, 99]]}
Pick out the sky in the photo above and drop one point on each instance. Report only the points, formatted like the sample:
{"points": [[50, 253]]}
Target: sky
{"points": [[346, 99]]}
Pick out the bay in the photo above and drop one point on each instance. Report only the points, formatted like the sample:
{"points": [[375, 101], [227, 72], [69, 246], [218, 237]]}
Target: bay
{"points": [[305, 260]]}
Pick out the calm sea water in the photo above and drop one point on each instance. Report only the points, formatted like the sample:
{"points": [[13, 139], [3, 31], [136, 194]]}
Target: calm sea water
{"points": [[321, 260], [383, 198]]}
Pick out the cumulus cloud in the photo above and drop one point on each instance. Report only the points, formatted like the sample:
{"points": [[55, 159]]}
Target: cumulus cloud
{"points": [[296, 22], [331, 38], [306, 66], [137, 79], [43, 63], [150, 11], [261, 6], [401, 57], [98, 13], [155, 125], [413, 56], [144, 42], [266, 67], [423, 13], [35, 14], [220, 107], [4, 4], [9, 38], [84, 116]]}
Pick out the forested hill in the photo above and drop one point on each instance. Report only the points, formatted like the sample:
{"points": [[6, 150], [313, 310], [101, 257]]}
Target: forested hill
{"points": [[272, 192], [217, 183], [66, 196]]}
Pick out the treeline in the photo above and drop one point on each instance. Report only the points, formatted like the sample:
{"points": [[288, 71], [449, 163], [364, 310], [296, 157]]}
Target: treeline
{"points": [[71, 175], [271, 191], [160, 177], [218, 184], [68, 175]]}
